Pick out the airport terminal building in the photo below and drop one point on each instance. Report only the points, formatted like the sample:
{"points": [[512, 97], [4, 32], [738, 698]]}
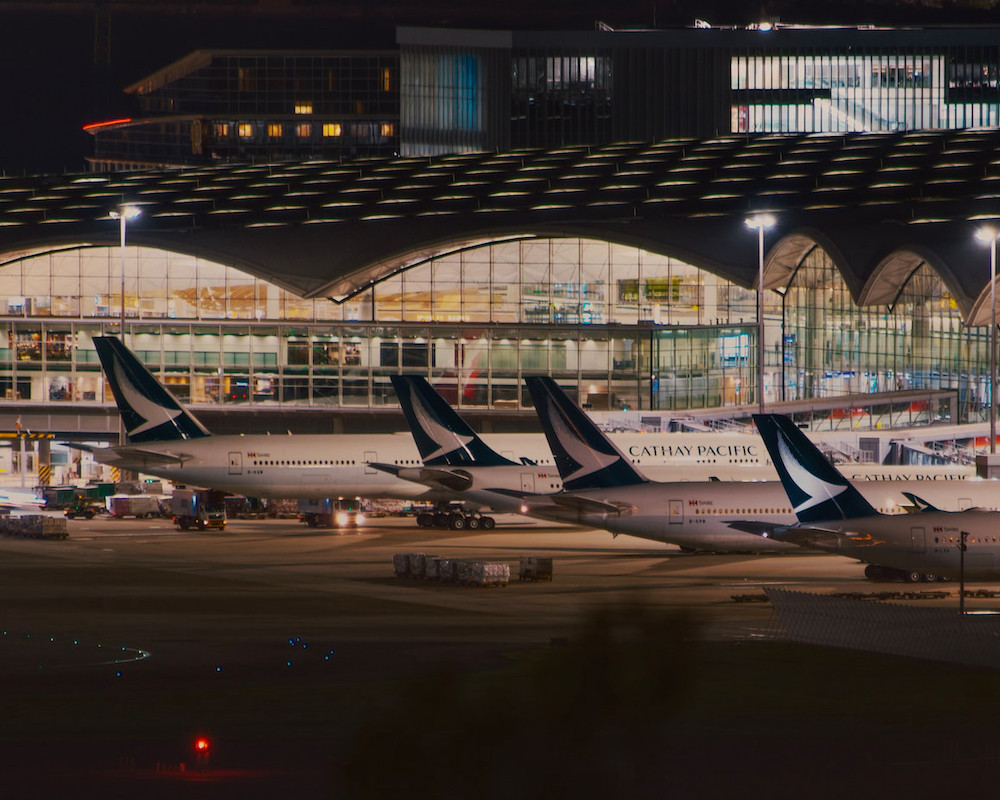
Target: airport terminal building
{"points": [[570, 204]]}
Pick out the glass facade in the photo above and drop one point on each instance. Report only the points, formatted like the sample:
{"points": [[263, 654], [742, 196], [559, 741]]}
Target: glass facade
{"points": [[632, 329], [881, 90], [553, 89], [831, 347]]}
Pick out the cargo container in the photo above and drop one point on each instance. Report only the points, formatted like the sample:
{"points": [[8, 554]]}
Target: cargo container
{"points": [[139, 506]]}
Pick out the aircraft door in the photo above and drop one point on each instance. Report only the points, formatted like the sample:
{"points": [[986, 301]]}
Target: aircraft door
{"points": [[917, 539], [370, 456], [528, 482], [675, 514], [235, 463]]}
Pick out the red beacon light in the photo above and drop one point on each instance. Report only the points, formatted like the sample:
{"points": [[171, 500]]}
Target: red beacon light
{"points": [[201, 746]]}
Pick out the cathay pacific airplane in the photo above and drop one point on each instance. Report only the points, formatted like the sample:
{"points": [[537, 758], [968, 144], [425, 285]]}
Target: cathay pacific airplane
{"points": [[831, 515], [457, 462], [165, 439], [603, 488]]}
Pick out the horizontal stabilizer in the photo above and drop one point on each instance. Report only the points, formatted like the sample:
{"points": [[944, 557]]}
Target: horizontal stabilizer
{"points": [[130, 457]]}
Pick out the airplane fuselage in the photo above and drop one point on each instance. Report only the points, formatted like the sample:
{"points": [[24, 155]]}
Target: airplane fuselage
{"points": [[925, 543], [337, 465], [695, 514]]}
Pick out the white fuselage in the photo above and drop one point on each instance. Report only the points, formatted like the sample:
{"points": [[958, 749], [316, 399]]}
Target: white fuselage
{"points": [[337, 465], [697, 515], [693, 514], [925, 543]]}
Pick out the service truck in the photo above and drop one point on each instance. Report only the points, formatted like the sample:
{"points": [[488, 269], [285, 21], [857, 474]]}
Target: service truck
{"points": [[198, 508], [332, 512]]}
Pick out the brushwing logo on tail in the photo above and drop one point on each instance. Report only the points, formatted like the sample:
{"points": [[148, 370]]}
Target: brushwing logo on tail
{"points": [[587, 459], [446, 439], [151, 411], [818, 490]]}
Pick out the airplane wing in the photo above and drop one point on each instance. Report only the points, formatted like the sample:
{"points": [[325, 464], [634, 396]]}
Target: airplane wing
{"points": [[804, 535], [587, 505], [566, 505]]}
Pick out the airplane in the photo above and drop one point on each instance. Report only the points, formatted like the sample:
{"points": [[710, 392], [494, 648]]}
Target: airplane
{"points": [[458, 462], [601, 487], [165, 439], [832, 516], [21, 500]]}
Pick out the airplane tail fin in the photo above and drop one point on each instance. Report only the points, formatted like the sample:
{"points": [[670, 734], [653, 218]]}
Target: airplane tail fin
{"points": [[442, 437], [150, 412], [815, 488], [585, 457]]}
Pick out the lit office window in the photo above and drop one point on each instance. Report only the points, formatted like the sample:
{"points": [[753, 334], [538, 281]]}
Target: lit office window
{"points": [[222, 129], [304, 108], [333, 129], [387, 129], [246, 130], [303, 130], [386, 80], [274, 130]]}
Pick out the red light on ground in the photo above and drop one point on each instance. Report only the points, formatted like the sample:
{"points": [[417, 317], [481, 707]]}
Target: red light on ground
{"points": [[201, 745]]}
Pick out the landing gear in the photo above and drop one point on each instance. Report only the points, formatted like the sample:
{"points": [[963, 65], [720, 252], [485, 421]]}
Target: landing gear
{"points": [[454, 519], [874, 572]]}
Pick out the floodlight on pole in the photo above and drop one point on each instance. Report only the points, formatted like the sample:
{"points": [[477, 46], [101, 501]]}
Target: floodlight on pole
{"points": [[123, 212], [988, 235], [760, 223]]}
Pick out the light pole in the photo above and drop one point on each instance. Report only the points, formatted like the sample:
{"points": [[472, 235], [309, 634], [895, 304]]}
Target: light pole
{"points": [[760, 223], [988, 235], [123, 212]]}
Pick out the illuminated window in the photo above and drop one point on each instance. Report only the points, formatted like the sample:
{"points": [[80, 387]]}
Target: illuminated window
{"points": [[274, 130], [222, 129], [332, 129], [304, 107], [303, 130], [387, 129], [386, 80], [246, 130]]}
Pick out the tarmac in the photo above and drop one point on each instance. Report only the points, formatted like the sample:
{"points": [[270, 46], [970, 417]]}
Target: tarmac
{"points": [[286, 646]]}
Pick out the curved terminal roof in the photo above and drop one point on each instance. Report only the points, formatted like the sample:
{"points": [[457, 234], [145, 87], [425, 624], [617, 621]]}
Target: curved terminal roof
{"points": [[880, 204]]}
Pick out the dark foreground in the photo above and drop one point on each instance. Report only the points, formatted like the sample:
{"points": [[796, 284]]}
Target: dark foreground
{"points": [[313, 673]]}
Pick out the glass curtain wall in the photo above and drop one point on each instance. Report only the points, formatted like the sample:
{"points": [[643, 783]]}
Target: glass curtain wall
{"points": [[632, 329], [831, 347], [865, 91]]}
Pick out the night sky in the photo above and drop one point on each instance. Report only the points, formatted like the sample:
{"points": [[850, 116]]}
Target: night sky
{"points": [[52, 86]]}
